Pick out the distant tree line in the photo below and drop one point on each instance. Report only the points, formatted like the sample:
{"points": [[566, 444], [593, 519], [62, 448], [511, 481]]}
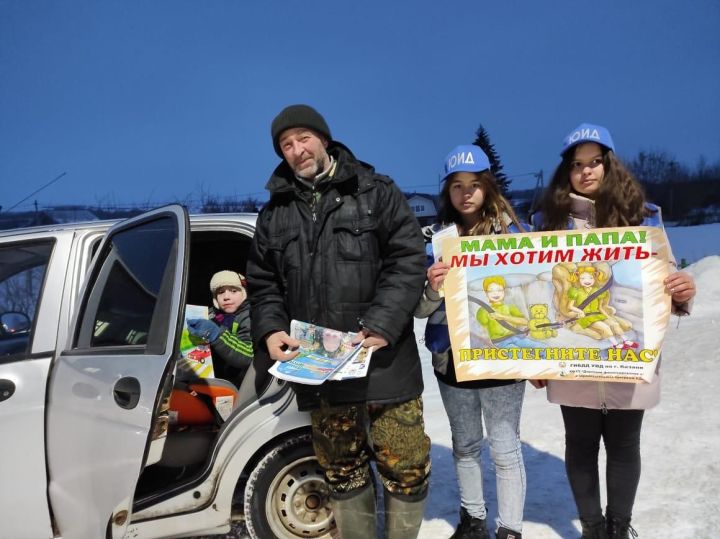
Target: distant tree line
{"points": [[215, 204], [687, 195]]}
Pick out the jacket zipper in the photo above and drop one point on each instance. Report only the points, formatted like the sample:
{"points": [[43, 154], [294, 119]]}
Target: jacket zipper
{"points": [[315, 241], [313, 206]]}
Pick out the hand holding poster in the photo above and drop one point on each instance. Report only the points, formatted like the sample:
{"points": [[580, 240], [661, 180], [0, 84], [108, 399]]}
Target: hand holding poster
{"points": [[568, 305]]}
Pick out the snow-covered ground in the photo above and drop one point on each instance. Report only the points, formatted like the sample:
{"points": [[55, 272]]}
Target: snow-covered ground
{"points": [[678, 494]]}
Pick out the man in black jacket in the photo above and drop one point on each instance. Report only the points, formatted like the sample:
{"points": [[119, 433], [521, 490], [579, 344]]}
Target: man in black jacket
{"points": [[338, 246]]}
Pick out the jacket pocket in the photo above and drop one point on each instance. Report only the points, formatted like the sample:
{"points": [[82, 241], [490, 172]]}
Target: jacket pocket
{"points": [[284, 248], [357, 239]]}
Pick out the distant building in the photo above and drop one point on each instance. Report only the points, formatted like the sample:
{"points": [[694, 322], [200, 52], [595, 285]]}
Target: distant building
{"points": [[424, 207], [523, 201]]}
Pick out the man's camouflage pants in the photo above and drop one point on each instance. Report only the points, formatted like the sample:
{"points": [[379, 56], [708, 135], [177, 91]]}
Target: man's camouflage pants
{"points": [[346, 436]]}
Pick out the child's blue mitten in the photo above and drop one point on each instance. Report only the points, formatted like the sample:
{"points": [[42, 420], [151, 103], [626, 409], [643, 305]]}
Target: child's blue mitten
{"points": [[205, 329]]}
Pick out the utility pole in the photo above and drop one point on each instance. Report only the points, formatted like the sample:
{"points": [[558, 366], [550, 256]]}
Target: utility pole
{"points": [[539, 185]]}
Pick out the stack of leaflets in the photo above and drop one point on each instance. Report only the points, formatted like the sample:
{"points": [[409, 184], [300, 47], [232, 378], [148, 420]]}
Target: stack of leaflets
{"points": [[196, 356], [324, 354]]}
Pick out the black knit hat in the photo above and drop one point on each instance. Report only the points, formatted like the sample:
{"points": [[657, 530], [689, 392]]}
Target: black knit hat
{"points": [[298, 116]]}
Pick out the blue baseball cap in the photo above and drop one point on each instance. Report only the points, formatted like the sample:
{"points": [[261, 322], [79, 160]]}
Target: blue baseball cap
{"points": [[466, 158], [588, 133]]}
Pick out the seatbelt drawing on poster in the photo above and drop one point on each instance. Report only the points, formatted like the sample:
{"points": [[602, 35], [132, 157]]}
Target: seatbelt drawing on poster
{"points": [[568, 305]]}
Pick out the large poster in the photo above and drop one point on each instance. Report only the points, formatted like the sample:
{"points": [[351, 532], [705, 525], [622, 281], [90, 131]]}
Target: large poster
{"points": [[570, 305]]}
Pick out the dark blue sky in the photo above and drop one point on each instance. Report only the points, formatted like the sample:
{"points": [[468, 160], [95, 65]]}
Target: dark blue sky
{"points": [[162, 100]]}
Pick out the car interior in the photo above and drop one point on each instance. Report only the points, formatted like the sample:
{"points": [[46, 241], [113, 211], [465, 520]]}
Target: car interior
{"points": [[22, 272], [187, 451]]}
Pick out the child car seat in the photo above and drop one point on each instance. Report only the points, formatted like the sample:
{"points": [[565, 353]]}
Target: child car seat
{"points": [[202, 401]]}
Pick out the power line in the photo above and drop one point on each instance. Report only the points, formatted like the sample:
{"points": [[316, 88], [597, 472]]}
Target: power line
{"points": [[37, 191], [523, 174]]}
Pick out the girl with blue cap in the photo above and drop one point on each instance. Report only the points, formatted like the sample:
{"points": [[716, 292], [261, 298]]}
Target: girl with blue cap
{"points": [[591, 188], [471, 199]]}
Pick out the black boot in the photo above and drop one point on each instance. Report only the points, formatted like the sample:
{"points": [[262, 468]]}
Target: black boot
{"points": [[593, 530], [505, 533], [470, 527], [619, 528]]}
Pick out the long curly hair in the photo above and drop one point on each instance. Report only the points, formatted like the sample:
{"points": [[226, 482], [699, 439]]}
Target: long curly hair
{"points": [[491, 213], [620, 199]]}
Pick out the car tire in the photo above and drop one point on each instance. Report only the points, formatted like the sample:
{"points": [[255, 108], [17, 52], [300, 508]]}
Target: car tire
{"points": [[286, 495]]}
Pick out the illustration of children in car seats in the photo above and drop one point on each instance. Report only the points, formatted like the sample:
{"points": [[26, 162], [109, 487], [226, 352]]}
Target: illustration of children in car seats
{"points": [[506, 325], [582, 297]]}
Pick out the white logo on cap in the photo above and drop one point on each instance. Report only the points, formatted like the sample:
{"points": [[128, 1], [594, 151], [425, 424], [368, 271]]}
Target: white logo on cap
{"points": [[461, 158], [584, 134]]}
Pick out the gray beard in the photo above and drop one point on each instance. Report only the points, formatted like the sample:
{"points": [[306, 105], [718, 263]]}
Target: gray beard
{"points": [[318, 171], [311, 176]]}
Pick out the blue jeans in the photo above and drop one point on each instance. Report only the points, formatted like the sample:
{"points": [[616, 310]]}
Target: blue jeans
{"points": [[500, 407]]}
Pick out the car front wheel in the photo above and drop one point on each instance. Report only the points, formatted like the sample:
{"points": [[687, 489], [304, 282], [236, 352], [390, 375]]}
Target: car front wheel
{"points": [[286, 495]]}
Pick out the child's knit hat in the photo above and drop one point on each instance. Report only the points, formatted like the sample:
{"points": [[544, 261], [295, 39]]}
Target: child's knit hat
{"points": [[227, 278]]}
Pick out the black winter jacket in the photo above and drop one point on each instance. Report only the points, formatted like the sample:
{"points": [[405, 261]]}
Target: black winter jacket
{"points": [[350, 257], [233, 348]]}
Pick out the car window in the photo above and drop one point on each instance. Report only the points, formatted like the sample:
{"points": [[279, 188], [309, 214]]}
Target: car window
{"points": [[122, 306], [22, 273]]}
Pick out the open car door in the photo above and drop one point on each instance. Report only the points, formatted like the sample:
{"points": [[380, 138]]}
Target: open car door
{"points": [[105, 390]]}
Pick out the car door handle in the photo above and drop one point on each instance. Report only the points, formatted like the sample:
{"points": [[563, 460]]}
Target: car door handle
{"points": [[7, 389], [127, 392]]}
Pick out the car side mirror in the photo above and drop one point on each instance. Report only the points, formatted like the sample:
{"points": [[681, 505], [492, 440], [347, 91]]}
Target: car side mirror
{"points": [[14, 323]]}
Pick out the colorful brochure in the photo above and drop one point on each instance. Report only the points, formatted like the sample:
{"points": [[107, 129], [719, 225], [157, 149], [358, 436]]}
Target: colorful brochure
{"points": [[196, 355], [324, 354]]}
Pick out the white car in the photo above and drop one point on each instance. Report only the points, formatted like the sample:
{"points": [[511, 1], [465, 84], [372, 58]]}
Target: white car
{"points": [[90, 317]]}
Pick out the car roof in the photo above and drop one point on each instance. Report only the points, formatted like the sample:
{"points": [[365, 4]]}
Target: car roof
{"points": [[202, 219]]}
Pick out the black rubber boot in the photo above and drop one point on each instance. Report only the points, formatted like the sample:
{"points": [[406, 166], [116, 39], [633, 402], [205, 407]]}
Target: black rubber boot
{"points": [[470, 527], [355, 514], [505, 533], [593, 530], [403, 515], [619, 528]]}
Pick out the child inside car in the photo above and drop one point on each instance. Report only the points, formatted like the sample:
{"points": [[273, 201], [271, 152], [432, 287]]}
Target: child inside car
{"points": [[228, 330]]}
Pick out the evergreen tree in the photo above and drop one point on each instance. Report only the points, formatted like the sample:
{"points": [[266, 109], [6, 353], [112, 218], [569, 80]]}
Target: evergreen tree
{"points": [[483, 141]]}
